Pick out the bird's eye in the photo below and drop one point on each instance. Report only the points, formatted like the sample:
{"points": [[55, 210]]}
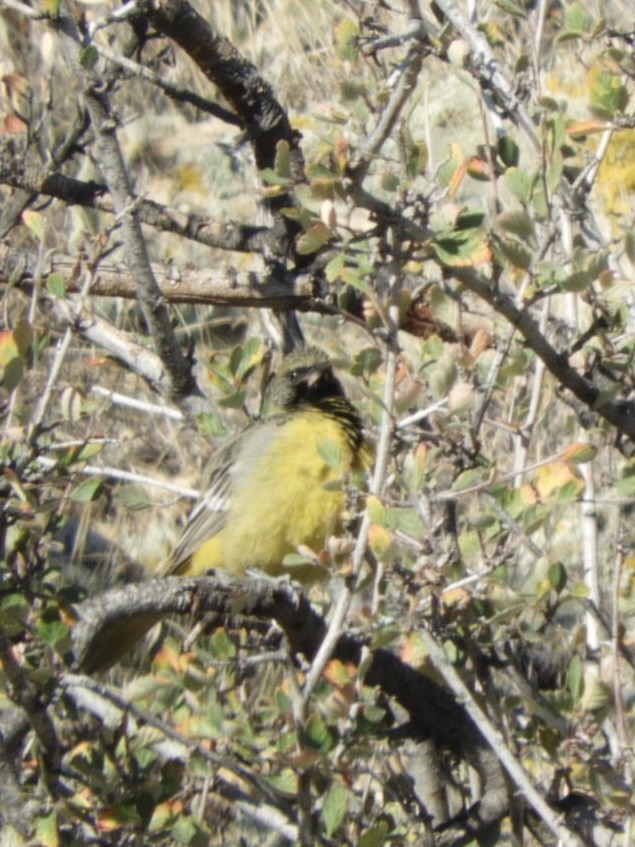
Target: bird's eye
{"points": [[294, 374]]}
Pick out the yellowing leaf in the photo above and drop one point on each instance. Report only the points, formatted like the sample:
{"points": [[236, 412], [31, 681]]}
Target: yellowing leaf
{"points": [[456, 598], [380, 539], [282, 165], [554, 476], [462, 249], [479, 169], [46, 830], [8, 346], [413, 651], [35, 223], [376, 510], [339, 674], [346, 33], [608, 93]]}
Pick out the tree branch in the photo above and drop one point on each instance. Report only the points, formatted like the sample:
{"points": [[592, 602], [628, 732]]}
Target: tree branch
{"points": [[111, 163], [222, 286], [618, 413], [20, 170]]}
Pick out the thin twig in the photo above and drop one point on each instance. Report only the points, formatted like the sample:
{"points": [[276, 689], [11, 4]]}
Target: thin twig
{"points": [[497, 743]]}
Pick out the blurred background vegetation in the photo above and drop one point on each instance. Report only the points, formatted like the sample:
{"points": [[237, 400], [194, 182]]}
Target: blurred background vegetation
{"points": [[504, 526]]}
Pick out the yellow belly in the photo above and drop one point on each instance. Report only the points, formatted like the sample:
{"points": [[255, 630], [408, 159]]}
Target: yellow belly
{"points": [[289, 492]]}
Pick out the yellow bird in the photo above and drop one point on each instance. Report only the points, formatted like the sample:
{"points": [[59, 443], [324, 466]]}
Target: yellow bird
{"points": [[279, 483], [275, 486]]}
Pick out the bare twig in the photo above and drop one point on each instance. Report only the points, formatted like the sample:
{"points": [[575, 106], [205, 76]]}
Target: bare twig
{"points": [[497, 743]]}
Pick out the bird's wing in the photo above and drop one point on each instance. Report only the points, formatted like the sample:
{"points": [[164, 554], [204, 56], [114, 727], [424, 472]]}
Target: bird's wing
{"points": [[210, 513], [231, 461]]}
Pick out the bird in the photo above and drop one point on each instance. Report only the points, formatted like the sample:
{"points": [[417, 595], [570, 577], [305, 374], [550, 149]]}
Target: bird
{"points": [[279, 484]]}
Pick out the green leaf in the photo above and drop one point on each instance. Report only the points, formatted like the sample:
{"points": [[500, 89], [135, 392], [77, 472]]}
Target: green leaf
{"points": [[626, 484], [87, 491], [389, 181], [88, 57], [608, 94], [282, 164], [222, 646], [187, 831], [557, 576], [210, 425], [133, 497], [356, 278], [514, 253], [330, 451], [577, 20], [286, 781], [12, 373], [520, 183], [52, 8], [54, 633], [46, 830], [317, 734], [469, 219], [460, 249], [270, 177], [23, 337], [508, 151], [334, 808], [575, 678], [375, 836], [578, 281], [315, 237], [56, 286], [334, 267], [518, 223], [467, 479]]}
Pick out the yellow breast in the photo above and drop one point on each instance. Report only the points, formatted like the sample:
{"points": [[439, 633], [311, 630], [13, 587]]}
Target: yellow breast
{"points": [[287, 490]]}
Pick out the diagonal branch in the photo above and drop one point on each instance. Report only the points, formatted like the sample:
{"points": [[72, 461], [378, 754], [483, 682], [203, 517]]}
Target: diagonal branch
{"points": [[618, 413]]}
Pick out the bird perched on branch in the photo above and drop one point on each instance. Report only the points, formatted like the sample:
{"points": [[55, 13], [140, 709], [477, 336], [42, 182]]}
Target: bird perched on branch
{"points": [[279, 483]]}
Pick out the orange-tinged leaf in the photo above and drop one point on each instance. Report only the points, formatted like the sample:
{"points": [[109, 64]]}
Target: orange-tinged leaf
{"points": [[457, 598], [421, 455], [380, 539], [462, 249], [14, 124], [481, 341], [528, 495], [579, 453], [8, 347], [413, 651], [339, 674], [457, 178], [163, 813], [578, 129], [478, 168]]}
